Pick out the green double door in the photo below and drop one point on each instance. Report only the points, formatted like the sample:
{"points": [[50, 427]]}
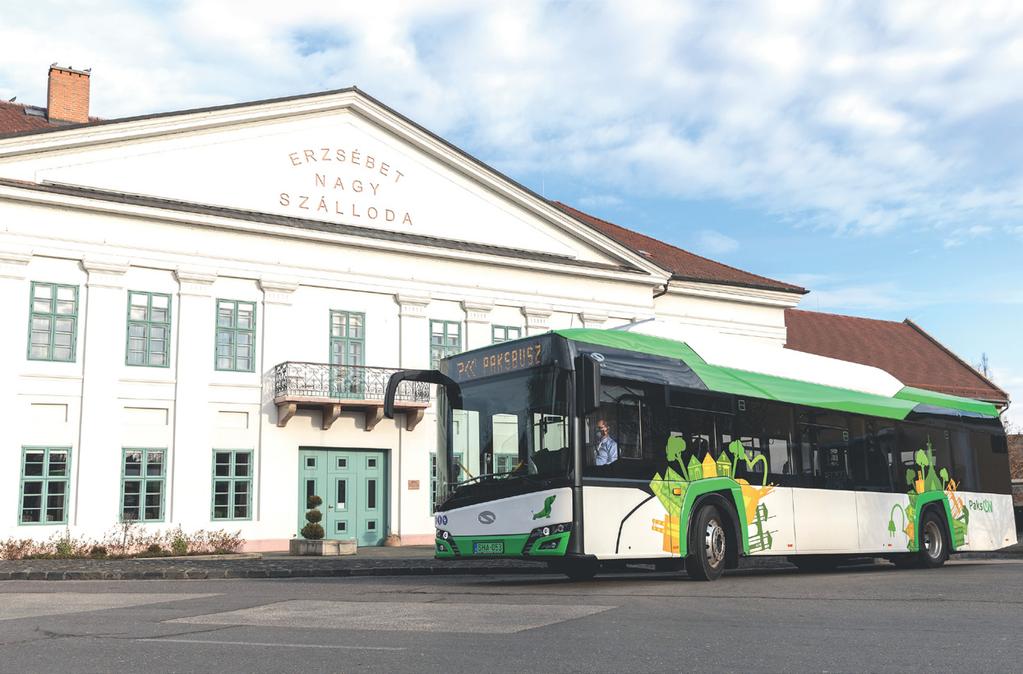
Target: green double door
{"points": [[353, 486]]}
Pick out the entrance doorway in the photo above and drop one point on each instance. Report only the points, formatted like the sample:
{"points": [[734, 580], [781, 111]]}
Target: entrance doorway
{"points": [[353, 486]]}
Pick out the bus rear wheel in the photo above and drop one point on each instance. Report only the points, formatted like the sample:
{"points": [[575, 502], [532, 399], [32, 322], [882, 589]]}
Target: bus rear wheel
{"points": [[708, 545], [934, 545]]}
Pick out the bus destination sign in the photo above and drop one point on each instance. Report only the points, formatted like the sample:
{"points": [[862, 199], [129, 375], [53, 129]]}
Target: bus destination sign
{"points": [[515, 357]]}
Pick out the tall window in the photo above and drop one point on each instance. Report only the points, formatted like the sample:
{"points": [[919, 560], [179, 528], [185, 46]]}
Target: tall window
{"points": [[232, 484], [347, 353], [149, 323], [53, 323], [44, 485], [236, 335], [347, 338], [143, 476], [445, 340], [504, 333]]}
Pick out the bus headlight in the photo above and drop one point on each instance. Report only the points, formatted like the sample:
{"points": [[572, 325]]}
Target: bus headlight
{"points": [[545, 532]]}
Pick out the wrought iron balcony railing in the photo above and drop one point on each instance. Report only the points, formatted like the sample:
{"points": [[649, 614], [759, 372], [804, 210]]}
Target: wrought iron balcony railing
{"points": [[342, 382], [336, 387]]}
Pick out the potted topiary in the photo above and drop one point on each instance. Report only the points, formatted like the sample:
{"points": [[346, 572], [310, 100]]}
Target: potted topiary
{"points": [[312, 541]]}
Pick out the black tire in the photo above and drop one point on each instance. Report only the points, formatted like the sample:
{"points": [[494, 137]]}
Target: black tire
{"points": [[934, 544], [708, 544]]}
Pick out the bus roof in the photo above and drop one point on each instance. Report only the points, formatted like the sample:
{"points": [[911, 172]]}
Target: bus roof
{"points": [[774, 373]]}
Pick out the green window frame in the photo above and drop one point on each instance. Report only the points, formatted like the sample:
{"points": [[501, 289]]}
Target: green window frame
{"points": [[504, 333], [231, 495], [143, 484], [347, 337], [236, 336], [149, 329], [445, 340], [45, 485], [53, 322]]}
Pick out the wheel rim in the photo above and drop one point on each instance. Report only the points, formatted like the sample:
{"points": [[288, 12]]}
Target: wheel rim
{"points": [[714, 543], [932, 540]]}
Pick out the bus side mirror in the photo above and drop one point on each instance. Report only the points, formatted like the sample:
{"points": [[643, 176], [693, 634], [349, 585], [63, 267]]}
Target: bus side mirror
{"points": [[454, 391], [587, 384]]}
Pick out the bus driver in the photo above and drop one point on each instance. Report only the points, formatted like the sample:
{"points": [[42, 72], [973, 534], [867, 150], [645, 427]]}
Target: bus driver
{"points": [[607, 448]]}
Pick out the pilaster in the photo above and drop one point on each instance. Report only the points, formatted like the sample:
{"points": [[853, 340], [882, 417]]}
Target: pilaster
{"points": [[194, 364], [537, 319], [477, 319], [414, 329], [102, 348]]}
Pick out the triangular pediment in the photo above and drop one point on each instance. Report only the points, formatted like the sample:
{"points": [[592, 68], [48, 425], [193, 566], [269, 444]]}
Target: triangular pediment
{"points": [[339, 158]]}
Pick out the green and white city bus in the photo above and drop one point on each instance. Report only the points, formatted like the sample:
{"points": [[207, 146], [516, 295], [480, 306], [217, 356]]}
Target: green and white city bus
{"points": [[715, 452]]}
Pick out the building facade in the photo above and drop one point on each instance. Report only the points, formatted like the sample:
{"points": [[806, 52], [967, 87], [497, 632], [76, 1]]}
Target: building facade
{"points": [[203, 307]]}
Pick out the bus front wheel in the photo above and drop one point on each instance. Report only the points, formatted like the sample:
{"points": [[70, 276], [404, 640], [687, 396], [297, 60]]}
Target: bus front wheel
{"points": [[708, 545], [933, 541]]}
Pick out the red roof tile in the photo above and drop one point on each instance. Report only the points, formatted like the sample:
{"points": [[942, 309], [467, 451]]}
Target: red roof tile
{"points": [[682, 264], [903, 350], [14, 117]]}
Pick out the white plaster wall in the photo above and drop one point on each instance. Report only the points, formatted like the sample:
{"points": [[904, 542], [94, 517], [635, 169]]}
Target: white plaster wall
{"points": [[296, 276]]}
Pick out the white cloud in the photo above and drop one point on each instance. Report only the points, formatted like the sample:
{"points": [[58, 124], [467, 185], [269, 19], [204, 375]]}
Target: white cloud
{"points": [[859, 118], [710, 242]]}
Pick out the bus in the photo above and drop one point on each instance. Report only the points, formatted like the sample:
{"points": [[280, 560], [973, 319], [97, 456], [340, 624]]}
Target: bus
{"points": [[584, 447]]}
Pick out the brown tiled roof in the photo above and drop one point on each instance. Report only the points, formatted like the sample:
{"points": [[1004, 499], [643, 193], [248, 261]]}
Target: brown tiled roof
{"points": [[18, 118], [682, 264], [15, 117], [904, 350]]}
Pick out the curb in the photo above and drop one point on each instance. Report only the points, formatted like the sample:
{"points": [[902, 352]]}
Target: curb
{"points": [[427, 569]]}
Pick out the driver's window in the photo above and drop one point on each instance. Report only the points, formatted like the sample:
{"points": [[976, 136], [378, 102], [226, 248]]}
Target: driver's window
{"points": [[618, 436]]}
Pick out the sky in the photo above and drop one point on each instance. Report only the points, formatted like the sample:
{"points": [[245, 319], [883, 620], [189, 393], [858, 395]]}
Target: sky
{"points": [[869, 151]]}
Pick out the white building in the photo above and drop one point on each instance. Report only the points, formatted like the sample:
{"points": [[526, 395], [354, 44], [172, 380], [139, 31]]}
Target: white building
{"points": [[201, 308]]}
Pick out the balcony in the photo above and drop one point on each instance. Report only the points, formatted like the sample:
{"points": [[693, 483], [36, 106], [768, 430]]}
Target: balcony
{"points": [[334, 389]]}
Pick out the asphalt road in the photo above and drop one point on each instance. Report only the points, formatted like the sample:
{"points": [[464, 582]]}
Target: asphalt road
{"points": [[965, 616]]}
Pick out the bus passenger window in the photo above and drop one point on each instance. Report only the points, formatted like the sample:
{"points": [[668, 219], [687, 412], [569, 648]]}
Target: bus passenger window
{"points": [[824, 451], [765, 428]]}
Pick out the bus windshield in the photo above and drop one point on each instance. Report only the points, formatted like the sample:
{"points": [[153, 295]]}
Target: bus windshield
{"points": [[508, 428]]}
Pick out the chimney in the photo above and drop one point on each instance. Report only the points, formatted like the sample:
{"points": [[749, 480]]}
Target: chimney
{"points": [[67, 95]]}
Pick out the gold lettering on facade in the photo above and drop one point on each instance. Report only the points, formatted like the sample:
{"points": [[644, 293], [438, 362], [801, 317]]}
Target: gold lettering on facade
{"points": [[368, 198]]}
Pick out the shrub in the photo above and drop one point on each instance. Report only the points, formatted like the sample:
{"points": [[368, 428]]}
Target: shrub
{"points": [[98, 551], [312, 531], [179, 542], [154, 549]]}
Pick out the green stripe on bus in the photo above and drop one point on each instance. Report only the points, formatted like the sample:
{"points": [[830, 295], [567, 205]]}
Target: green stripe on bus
{"points": [[770, 387], [950, 402]]}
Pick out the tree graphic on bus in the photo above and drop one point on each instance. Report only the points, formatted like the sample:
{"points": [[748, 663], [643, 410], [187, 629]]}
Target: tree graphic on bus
{"points": [[671, 487], [927, 483]]}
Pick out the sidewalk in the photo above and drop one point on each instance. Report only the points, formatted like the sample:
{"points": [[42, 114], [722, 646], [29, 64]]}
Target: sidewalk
{"points": [[400, 561]]}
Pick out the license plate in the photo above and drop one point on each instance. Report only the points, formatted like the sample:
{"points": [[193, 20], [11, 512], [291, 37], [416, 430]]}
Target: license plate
{"points": [[488, 548]]}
